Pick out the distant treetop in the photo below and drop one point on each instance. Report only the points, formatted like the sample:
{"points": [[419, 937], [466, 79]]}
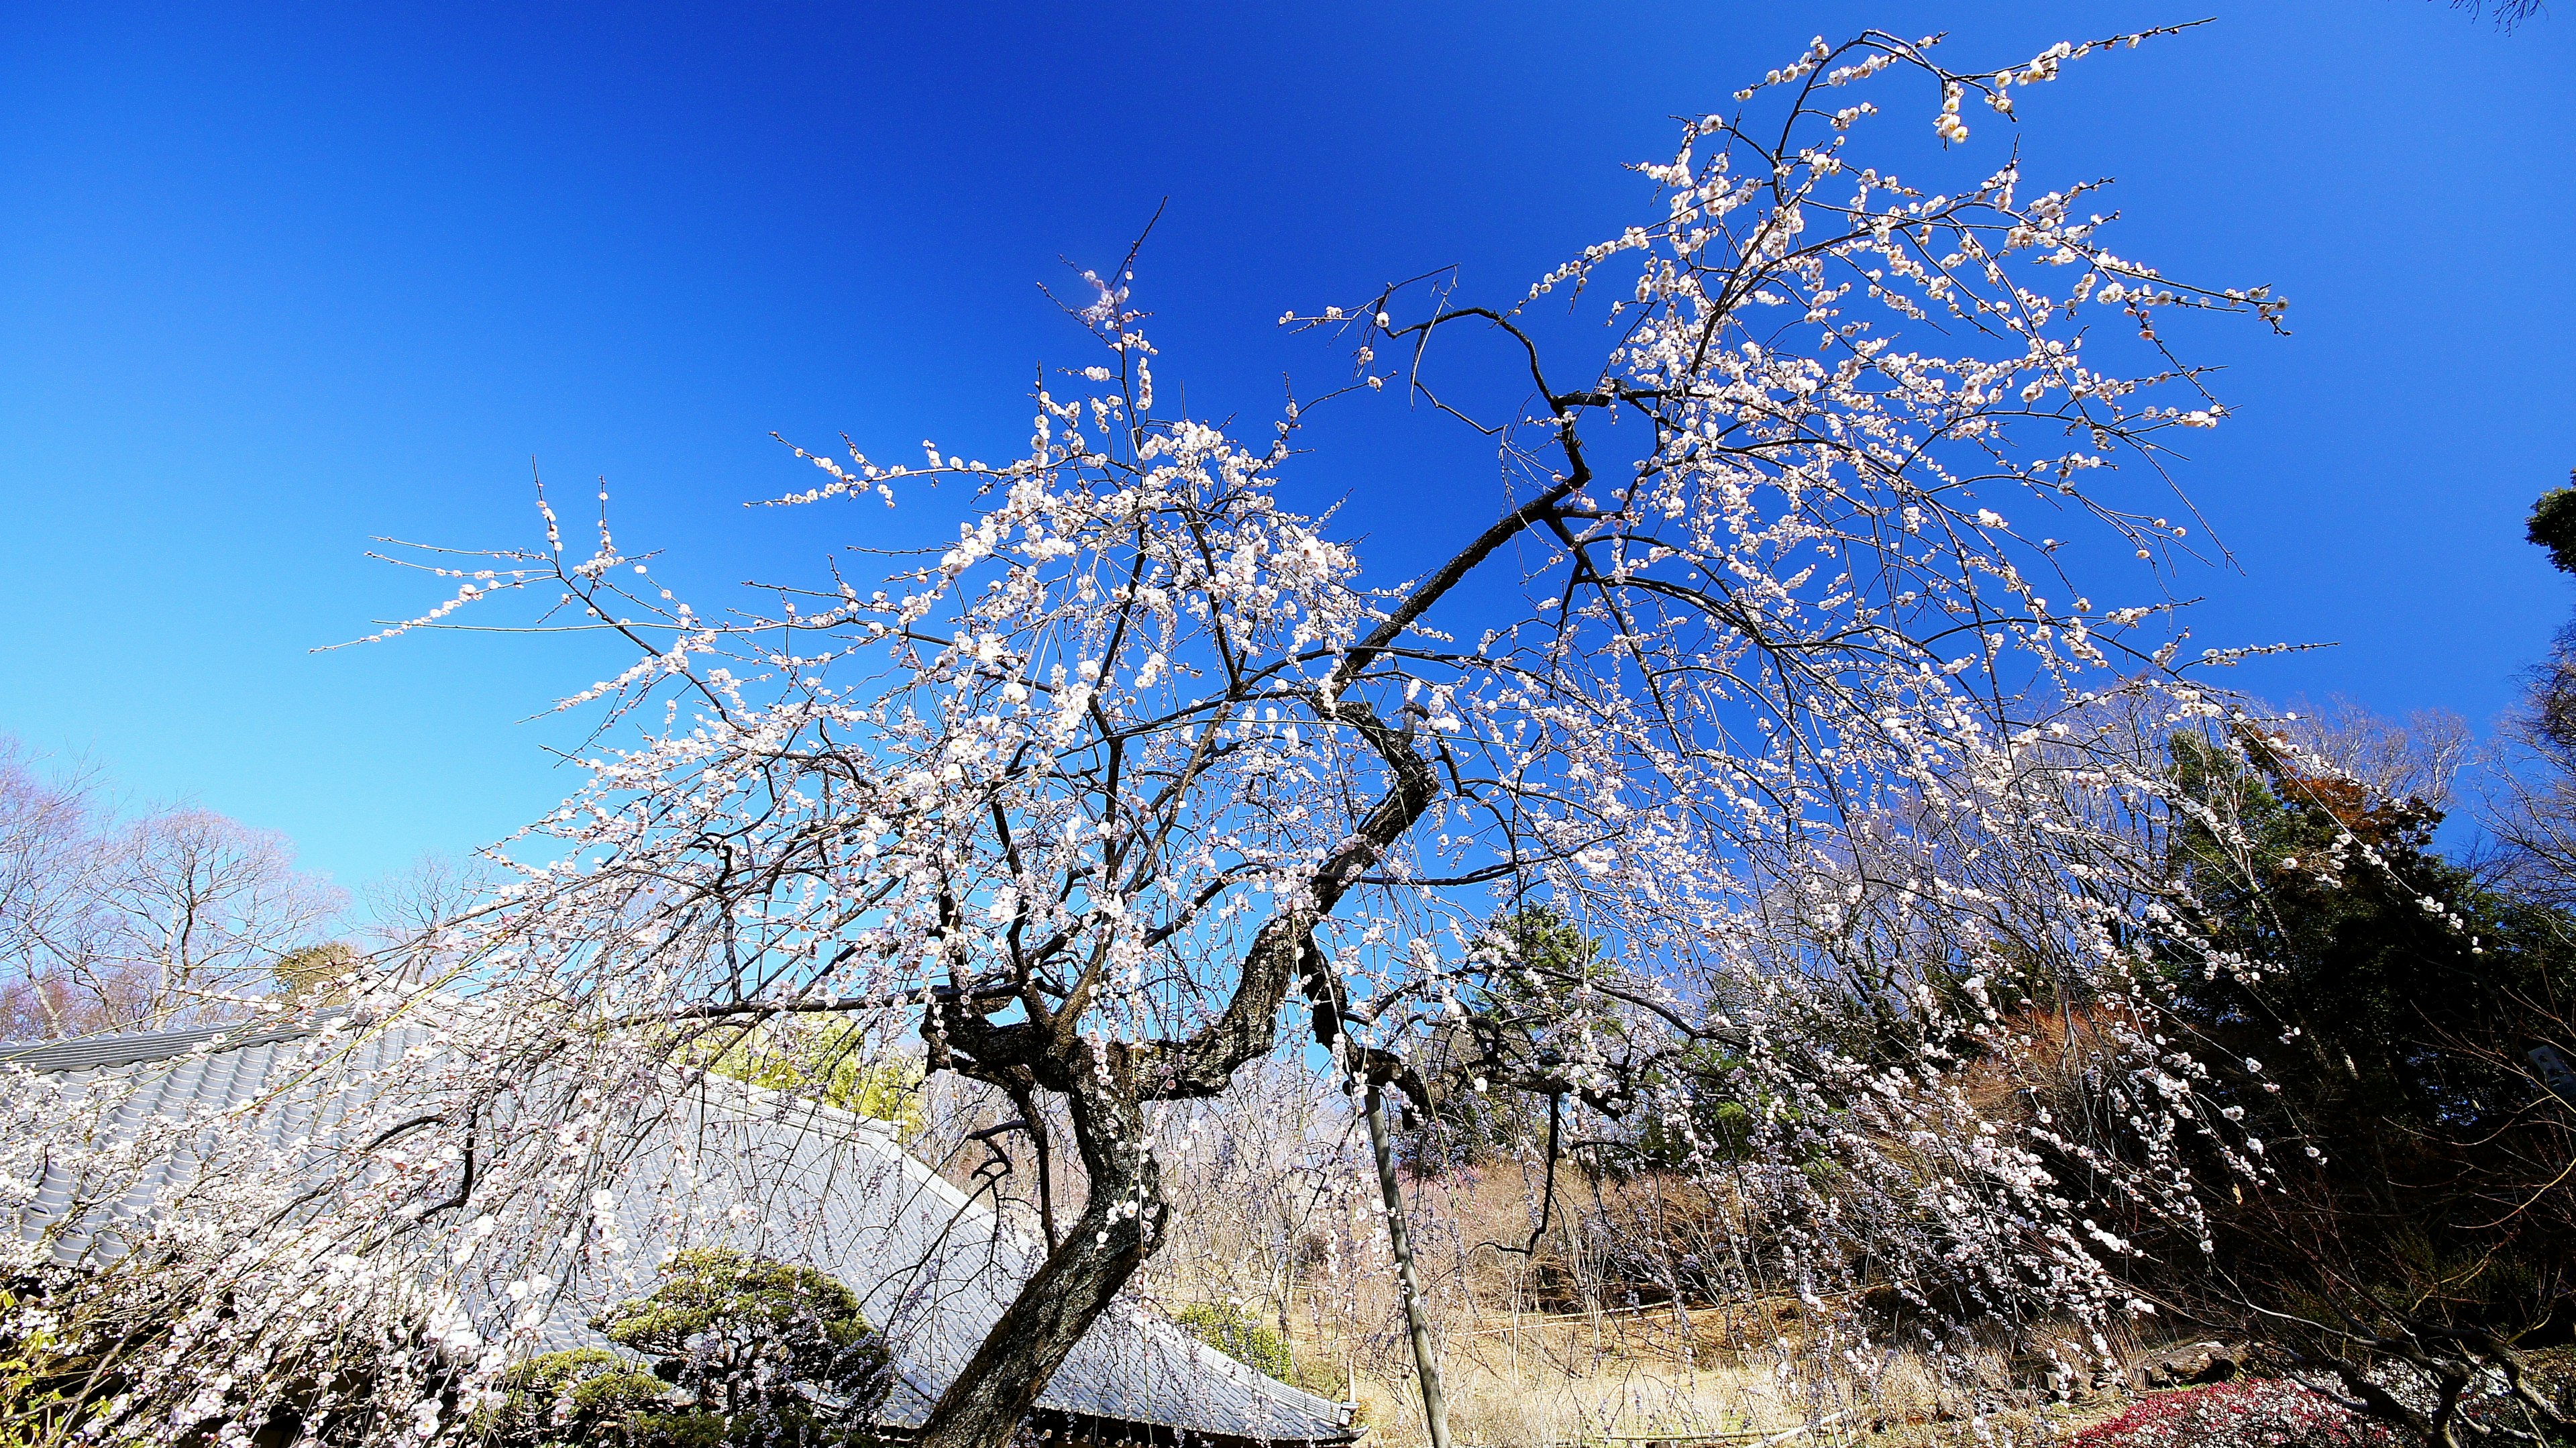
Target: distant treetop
{"points": [[2553, 525]]}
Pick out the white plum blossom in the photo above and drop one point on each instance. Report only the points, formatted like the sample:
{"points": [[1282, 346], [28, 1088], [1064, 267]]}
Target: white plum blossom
{"points": [[1756, 688]]}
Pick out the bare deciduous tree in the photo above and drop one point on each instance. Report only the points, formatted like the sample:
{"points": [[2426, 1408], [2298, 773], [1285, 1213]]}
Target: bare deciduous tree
{"points": [[2421, 758], [165, 918], [204, 908], [49, 862]]}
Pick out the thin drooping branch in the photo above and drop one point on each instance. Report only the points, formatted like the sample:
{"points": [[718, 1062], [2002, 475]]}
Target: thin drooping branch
{"points": [[1760, 690]]}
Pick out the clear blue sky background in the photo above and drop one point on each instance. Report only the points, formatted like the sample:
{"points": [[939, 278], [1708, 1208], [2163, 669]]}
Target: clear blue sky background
{"points": [[274, 279]]}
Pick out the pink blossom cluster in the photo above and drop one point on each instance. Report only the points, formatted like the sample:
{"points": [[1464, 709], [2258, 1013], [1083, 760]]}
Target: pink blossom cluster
{"points": [[2247, 1413]]}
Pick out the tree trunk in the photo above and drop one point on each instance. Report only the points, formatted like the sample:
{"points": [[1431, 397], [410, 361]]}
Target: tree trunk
{"points": [[1122, 1222], [1120, 1226], [1426, 1362]]}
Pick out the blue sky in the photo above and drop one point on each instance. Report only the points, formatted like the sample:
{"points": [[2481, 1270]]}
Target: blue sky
{"points": [[275, 280]]}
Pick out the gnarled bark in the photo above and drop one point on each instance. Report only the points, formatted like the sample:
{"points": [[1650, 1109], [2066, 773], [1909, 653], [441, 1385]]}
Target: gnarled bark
{"points": [[1119, 1227]]}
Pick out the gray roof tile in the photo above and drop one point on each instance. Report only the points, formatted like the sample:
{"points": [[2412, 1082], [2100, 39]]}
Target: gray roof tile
{"points": [[933, 1269]]}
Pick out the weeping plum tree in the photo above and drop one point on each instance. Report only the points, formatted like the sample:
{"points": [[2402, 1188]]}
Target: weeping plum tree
{"points": [[1757, 666]]}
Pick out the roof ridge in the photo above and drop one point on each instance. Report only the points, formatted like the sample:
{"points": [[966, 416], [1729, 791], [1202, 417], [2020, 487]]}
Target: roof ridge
{"points": [[82, 1053]]}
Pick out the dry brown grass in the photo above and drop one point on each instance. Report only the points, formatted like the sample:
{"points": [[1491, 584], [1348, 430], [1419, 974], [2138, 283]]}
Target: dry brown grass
{"points": [[1624, 1380], [1558, 1331], [1617, 1378], [1519, 1373]]}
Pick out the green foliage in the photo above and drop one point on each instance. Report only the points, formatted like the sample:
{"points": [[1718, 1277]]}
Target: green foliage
{"points": [[833, 1061], [2394, 972], [2375, 1044], [36, 1397], [1531, 1007], [715, 1290], [1523, 1009], [742, 1349], [584, 1396], [1537, 938], [2553, 525], [771, 1348], [1234, 1330], [1723, 1107]]}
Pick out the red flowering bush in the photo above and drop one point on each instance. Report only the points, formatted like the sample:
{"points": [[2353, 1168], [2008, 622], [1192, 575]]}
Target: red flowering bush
{"points": [[2247, 1413]]}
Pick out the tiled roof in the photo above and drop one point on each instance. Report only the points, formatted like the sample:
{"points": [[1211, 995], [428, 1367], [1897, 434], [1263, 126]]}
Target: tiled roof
{"points": [[834, 1191]]}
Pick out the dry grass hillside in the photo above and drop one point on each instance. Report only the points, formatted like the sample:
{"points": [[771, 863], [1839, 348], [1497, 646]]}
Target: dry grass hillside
{"points": [[1552, 1332]]}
